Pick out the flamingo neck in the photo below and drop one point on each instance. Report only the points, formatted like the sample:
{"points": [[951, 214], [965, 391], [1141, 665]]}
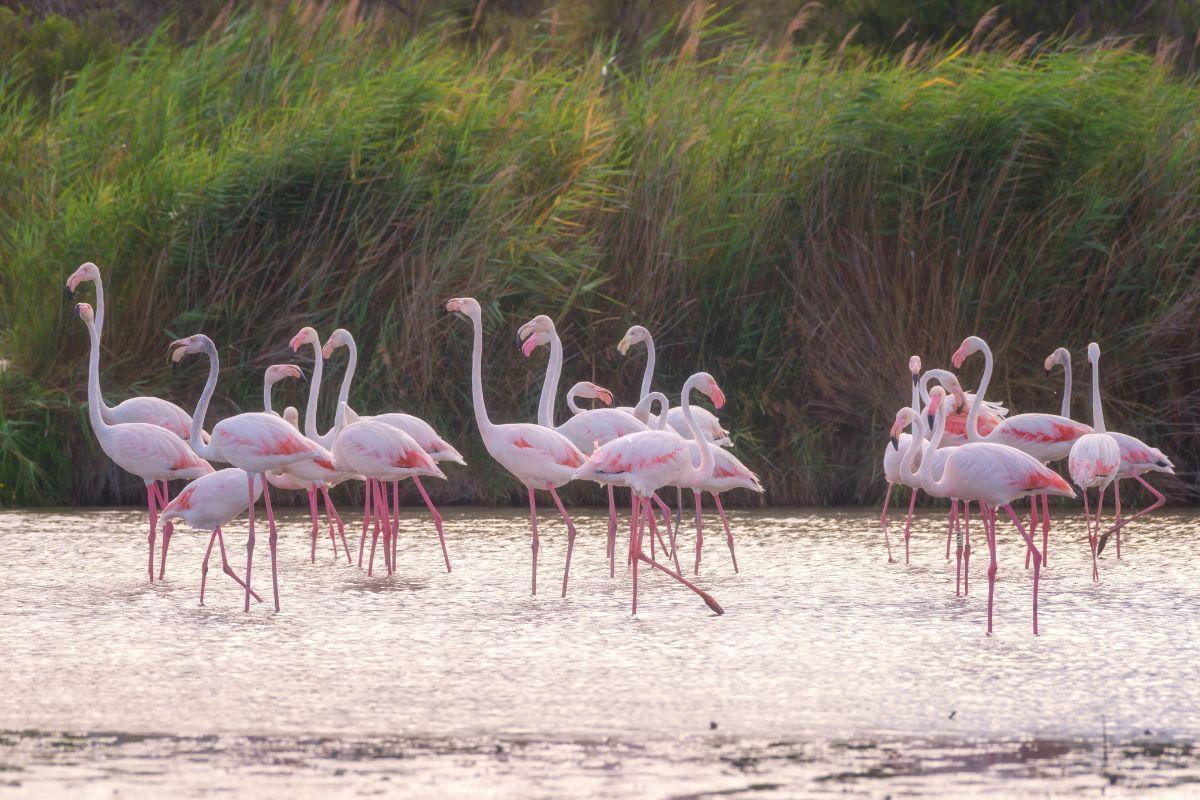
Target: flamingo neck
{"points": [[550, 384], [571, 404], [481, 414], [925, 477], [314, 389], [973, 416], [641, 411], [106, 411], [648, 374], [704, 470], [1097, 410], [196, 440], [915, 402], [268, 384], [95, 402], [343, 398], [915, 447], [1066, 398]]}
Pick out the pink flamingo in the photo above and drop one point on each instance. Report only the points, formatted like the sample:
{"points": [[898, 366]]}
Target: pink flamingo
{"points": [[151, 452], [590, 391], [891, 467], [206, 504], [1095, 458], [1062, 357], [1046, 437], [310, 476], [650, 460], [418, 429], [256, 442], [382, 453], [537, 456], [990, 413], [993, 475], [586, 429]]}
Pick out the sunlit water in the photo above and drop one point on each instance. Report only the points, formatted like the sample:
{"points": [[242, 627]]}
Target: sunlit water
{"points": [[832, 671]]}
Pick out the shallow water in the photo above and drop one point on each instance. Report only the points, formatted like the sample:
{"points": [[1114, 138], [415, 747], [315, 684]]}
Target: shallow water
{"points": [[832, 671]]}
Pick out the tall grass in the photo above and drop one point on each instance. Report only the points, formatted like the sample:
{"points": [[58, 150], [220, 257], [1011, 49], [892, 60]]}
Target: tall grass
{"points": [[795, 222]]}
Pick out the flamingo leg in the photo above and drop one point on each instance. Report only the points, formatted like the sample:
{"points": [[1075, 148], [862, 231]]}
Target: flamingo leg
{"points": [[1087, 517], [228, 570], [958, 554], [366, 521], [570, 535], [437, 519], [678, 504], [1099, 513], [316, 525], [728, 532], [151, 498], [1158, 503], [951, 526], [705, 596], [1037, 560], [1045, 530], [273, 541], [1033, 525], [331, 508], [329, 522], [375, 531], [635, 513], [612, 532], [666, 515], [699, 533], [395, 520], [912, 502], [534, 531], [168, 531], [654, 534], [250, 539], [989, 529], [204, 566], [883, 519], [1117, 495], [967, 548]]}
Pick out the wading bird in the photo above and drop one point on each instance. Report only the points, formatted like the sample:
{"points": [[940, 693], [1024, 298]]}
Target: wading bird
{"points": [[1094, 459]]}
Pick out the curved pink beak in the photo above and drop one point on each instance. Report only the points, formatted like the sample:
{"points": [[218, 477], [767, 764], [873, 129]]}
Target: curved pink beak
{"points": [[604, 396], [530, 345], [960, 355], [297, 342], [327, 350], [717, 396]]}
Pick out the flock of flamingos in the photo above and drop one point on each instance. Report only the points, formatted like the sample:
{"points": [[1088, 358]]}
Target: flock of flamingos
{"points": [[961, 447]]}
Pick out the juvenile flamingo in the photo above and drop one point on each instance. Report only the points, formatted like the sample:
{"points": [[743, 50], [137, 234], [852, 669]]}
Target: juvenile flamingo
{"points": [[206, 504], [1046, 437], [1095, 458], [650, 460], [993, 475], [151, 452], [256, 442], [540, 458], [421, 431]]}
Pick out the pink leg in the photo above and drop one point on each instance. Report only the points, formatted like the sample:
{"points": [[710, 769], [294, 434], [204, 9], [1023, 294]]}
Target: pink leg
{"points": [[665, 510], [229, 570], [967, 549], [375, 532], [705, 596], [1033, 524], [883, 519], [329, 522], [250, 537], [395, 520], [151, 499], [534, 530], [331, 508], [366, 520], [1045, 529], [1037, 561], [204, 566], [989, 529], [635, 515], [273, 541], [161, 490], [654, 534], [699, 533], [437, 520], [612, 533], [912, 502], [728, 532], [316, 525], [1117, 495], [952, 525], [570, 535], [1099, 513], [958, 554], [1158, 503], [1087, 517]]}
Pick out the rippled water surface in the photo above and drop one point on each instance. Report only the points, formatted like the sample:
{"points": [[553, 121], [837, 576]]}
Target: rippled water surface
{"points": [[832, 671]]}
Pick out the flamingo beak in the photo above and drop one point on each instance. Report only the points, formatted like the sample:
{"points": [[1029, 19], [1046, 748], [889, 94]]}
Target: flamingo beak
{"points": [[327, 350], [298, 373], [915, 379], [960, 355], [929, 419], [72, 283], [624, 345], [296, 342], [530, 345], [454, 304], [525, 331], [895, 440], [717, 396], [605, 396]]}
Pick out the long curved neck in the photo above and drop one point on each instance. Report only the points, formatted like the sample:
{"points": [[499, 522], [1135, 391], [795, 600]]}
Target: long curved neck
{"points": [[648, 375], [915, 445], [915, 403], [550, 384], [106, 410], [267, 386], [571, 404], [343, 398], [940, 375], [939, 429], [196, 439], [973, 416], [314, 389], [95, 402], [1066, 398], [641, 411], [706, 457], [1097, 411], [481, 415]]}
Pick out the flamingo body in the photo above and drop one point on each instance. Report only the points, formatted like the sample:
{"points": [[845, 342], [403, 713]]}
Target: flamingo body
{"points": [[997, 474], [600, 426], [1094, 460], [382, 452], [1137, 457], [260, 442], [213, 500], [645, 461]]}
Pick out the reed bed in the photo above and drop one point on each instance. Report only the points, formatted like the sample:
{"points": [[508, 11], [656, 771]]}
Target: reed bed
{"points": [[792, 219]]}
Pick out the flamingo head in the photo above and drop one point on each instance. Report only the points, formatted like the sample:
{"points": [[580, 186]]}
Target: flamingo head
{"points": [[292, 417], [1093, 353], [591, 390], [541, 324], [198, 343], [467, 306], [633, 336], [936, 398], [339, 338], [87, 272], [953, 387], [904, 418], [1060, 356], [971, 344], [307, 335], [914, 367], [277, 372], [84, 312], [534, 341], [708, 385]]}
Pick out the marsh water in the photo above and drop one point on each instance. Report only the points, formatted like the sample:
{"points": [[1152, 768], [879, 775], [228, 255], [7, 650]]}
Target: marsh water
{"points": [[832, 672]]}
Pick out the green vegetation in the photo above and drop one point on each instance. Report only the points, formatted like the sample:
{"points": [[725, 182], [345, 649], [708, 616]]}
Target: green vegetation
{"points": [[797, 220]]}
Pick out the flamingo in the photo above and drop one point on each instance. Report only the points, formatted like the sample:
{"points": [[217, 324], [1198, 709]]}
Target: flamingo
{"points": [[1095, 458], [257, 442], [650, 460], [206, 504], [384, 454], [151, 452], [891, 467], [990, 413], [421, 431], [586, 429], [1062, 357], [308, 477], [991, 474], [540, 458], [587, 390], [1046, 437]]}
